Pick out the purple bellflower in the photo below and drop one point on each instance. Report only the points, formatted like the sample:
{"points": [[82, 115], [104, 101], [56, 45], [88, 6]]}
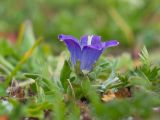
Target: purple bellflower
{"points": [[87, 50]]}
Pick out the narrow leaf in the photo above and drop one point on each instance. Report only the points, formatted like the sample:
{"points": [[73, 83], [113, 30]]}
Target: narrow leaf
{"points": [[65, 74]]}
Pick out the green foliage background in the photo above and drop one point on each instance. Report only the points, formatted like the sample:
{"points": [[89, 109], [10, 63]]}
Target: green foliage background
{"points": [[38, 63], [129, 21]]}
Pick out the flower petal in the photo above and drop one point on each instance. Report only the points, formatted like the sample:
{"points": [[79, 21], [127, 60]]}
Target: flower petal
{"points": [[89, 56], [73, 47], [92, 40], [83, 41], [110, 43], [96, 41], [63, 37]]}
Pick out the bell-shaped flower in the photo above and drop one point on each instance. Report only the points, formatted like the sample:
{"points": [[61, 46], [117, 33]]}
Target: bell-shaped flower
{"points": [[87, 50]]}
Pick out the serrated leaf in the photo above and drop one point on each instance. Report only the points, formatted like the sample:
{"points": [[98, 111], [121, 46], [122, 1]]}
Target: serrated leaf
{"points": [[145, 56]]}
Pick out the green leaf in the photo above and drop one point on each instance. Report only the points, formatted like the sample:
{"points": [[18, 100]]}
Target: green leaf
{"points": [[145, 57], [6, 48], [46, 84], [65, 74], [28, 39], [37, 110], [5, 63]]}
